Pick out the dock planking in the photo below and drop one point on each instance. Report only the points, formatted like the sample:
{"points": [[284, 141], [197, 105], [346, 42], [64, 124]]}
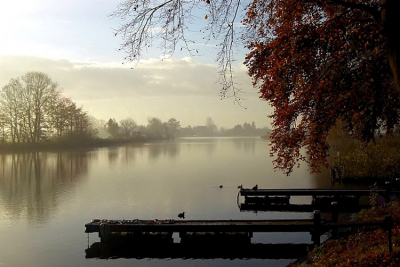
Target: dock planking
{"points": [[164, 228], [325, 200], [310, 192], [301, 208], [200, 225]]}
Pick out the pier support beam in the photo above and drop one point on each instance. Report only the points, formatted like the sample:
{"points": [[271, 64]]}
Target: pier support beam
{"points": [[316, 231], [335, 217]]}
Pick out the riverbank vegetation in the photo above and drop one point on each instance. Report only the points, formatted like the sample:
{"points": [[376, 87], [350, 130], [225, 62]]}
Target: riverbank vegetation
{"points": [[362, 248], [353, 160], [35, 115]]}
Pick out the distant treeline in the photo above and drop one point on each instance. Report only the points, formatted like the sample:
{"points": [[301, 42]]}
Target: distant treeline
{"points": [[34, 114], [156, 129]]}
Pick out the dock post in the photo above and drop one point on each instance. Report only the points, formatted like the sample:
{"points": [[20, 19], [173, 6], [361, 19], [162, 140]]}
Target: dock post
{"points": [[397, 184], [335, 217], [388, 224], [182, 234], [316, 238], [104, 232], [388, 189]]}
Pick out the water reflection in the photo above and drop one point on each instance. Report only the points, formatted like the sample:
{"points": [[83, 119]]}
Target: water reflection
{"points": [[208, 143], [248, 145], [113, 153], [45, 198], [169, 149], [32, 184], [124, 248]]}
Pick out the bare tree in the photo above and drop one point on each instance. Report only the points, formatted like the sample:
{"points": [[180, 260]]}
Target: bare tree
{"points": [[3, 131], [38, 95], [11, 108], [58, 118], [127, 125], [173, 21], [31, 110]]}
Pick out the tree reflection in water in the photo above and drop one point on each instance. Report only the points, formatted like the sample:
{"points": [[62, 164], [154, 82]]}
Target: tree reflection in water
{"points": [[32, 184]]}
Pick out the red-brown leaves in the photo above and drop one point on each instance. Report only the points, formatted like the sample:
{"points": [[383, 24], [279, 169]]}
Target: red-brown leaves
{"points": [[320, 62]]}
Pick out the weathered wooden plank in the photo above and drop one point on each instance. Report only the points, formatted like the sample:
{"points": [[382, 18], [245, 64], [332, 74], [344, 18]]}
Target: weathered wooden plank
{"points": [[201, 226], [311, 192], [300, 208]]}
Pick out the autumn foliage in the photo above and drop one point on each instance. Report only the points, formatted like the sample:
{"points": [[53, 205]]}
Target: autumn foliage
{"points": [[318, 62], [315, 61], [367, 247]]}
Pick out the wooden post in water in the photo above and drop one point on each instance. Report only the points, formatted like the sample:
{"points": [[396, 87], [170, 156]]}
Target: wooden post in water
{"points": [[397, 184], [388, 189], [388, 224], [315, 235], [335, 217]]}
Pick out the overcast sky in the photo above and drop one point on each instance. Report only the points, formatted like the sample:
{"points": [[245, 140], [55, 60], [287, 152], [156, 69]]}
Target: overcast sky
{"points": [[73, 42]]}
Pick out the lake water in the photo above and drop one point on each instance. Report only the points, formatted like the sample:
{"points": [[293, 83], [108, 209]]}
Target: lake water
{"points": [[46, 198]]}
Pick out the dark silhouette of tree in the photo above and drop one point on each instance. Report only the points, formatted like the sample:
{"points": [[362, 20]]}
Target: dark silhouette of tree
{"points": [[112, 127], [155, 129], [172, 126], [211, 126], [128, 125], [315, 61], [32, 111]]}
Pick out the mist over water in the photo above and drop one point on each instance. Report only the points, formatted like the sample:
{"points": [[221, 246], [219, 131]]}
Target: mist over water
{"points": [[47, 197]]}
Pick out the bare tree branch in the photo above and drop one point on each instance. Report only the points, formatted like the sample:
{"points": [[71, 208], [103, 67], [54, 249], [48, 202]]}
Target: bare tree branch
{"points": [[173, 24]]}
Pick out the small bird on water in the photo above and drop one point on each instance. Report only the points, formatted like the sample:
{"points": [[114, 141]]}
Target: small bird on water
{"points": [[181, 215], [255, 187], [221, 186]]}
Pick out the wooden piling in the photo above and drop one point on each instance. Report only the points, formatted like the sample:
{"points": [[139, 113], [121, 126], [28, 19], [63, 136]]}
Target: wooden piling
{"points": [[316, 231], [335, 217]]}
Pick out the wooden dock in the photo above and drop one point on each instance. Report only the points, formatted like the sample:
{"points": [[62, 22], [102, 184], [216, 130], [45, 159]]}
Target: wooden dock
{"points": [[185, 226], [192, 231], [222, 233], [322, 199], [310, 192], [218, 231], [300, 207]]}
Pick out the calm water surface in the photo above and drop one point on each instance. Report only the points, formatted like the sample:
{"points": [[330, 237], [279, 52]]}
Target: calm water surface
{"points": [[46, 198]]}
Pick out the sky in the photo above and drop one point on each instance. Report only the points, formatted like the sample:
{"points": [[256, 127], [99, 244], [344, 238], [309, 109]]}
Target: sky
{"points": [[74, 43]]}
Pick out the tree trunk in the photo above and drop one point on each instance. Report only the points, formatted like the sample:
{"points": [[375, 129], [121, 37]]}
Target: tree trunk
{"points": [[391, 23]]}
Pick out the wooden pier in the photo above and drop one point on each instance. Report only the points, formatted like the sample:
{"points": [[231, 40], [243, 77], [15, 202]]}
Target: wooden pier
{"points": [[322, 199], [186, 226], [249, 206], [309, 192], [218, 231], [217, 234]]}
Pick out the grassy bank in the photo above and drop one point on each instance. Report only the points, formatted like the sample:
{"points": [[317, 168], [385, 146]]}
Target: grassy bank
{"points": [[365, 247]]}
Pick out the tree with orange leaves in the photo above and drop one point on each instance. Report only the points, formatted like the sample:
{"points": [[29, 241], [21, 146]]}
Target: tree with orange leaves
{"points": [[315, 61]]}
